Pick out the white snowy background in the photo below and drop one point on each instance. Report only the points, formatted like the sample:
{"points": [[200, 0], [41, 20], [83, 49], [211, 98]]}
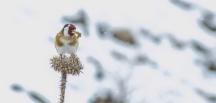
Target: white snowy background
{"points": [[27, 29]]}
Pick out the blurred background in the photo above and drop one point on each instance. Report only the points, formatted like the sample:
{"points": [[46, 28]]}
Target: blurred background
{"points": [[133, 51]]}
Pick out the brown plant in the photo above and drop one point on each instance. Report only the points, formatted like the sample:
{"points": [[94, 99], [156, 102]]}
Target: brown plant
{"points": [[66, 65]]}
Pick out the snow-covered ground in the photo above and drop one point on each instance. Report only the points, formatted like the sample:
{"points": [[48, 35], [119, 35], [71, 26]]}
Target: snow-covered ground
{"points": [[28, 26]]}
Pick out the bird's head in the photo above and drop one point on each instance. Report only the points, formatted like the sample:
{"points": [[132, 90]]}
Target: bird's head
{"points": [[69, 32]]}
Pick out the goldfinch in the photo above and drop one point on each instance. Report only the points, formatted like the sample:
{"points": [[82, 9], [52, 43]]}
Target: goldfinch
{"points": [[67, 40]]}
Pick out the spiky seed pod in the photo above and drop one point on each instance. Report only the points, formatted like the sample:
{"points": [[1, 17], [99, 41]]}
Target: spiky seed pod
{"points": [[68, 65]]}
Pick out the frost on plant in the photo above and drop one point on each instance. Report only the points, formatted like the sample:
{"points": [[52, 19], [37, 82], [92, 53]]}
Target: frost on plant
{"points": [[69, 65]]}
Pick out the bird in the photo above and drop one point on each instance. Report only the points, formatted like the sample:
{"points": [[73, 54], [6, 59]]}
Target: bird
{"points": [[67, 40]]}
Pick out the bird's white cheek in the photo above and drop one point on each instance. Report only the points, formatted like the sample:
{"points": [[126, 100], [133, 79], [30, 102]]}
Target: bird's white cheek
{"points": [[66, 32]]}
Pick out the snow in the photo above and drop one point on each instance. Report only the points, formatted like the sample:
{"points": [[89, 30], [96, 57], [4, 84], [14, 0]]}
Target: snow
{"points": [[26, 26]]}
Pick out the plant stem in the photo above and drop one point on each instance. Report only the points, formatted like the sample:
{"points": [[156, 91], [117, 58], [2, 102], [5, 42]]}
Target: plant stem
{"points": [[63, 86]]}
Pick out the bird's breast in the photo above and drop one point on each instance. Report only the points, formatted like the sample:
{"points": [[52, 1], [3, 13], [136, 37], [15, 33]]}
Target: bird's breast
{"points": [[64, 41]]}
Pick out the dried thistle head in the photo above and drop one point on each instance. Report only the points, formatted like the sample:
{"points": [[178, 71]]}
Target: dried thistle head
{"points": [[68, 65]]}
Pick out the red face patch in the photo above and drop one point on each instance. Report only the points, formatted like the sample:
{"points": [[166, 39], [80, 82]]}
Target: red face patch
{"points": [[71, 28]]}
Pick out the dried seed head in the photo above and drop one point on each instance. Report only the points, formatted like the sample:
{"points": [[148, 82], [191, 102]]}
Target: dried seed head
{"points": [[69, 65]]}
